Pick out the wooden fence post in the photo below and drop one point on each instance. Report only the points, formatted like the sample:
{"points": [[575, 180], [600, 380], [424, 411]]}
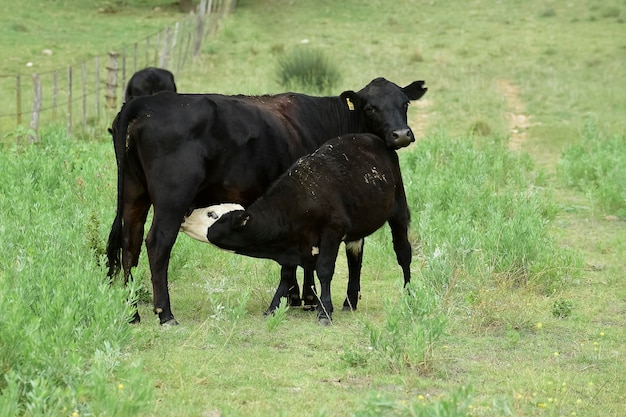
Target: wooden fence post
{"points": [[34, 118], [69, 101], [18, 85], [111, 93], [97, 88], [55, 93], [200, 14]]}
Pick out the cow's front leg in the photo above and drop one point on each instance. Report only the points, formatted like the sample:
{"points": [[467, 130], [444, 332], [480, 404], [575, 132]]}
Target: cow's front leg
{"points": [[288, 287], [159, 244], [325, 268]]}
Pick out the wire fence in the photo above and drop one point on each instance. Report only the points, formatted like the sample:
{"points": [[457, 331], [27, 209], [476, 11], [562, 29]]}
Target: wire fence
{"points": [[84, 96]]}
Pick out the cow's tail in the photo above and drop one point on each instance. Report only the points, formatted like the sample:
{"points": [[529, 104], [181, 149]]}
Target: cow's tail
{"points": [[114, 245]]}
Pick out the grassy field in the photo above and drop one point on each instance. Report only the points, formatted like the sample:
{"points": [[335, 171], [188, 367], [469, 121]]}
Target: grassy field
{"points": [[518, 203]]}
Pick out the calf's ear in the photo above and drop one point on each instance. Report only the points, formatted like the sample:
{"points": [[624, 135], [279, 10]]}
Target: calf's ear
{"points": [[351, 99], [242, 220], [415, 90]]}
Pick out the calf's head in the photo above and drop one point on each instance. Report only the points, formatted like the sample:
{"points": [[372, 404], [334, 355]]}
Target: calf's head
{"points": [[382, 107], [227, 227], [197, 223]]}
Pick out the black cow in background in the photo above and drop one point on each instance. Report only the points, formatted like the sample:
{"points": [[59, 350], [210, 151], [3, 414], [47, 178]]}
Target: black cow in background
{"points": [[344, 191], [149, 81], [177, 152]]}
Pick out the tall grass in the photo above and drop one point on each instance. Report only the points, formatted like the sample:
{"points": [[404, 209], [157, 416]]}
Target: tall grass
{"points": [[597, 167], [63, 328], [481, 217]]}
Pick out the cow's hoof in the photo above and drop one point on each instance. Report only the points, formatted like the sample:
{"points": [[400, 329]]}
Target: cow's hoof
{"points": [[170, 322], [347, 307], [324, 321]]}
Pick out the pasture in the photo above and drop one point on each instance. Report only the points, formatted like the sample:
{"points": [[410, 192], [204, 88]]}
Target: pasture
{"points": [[516, 186]]}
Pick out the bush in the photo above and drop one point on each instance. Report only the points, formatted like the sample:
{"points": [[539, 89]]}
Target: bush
{"points": [[597, 167], [63, 329], [308, 70], [477, 213]]}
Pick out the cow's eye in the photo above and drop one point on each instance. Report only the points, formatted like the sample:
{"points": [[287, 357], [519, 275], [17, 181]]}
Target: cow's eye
{"points": [[212, 214], [370, 109]]}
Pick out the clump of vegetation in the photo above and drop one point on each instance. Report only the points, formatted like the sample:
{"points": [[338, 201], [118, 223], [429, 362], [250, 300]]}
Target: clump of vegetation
{"points": [[561, 308], [309, 70], [64, 329], [597, 166], [471, 205], [413, 325]]}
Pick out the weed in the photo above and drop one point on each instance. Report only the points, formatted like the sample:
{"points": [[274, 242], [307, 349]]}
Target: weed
{"points": [[307, 69], [562, 308], [278, 317], [411, 330]]}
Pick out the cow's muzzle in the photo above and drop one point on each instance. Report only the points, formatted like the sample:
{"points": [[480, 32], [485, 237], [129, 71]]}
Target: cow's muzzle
{"points": [[401, 138]]}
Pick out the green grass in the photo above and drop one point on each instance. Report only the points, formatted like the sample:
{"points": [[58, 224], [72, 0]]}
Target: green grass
{"points": [[518, 258]]}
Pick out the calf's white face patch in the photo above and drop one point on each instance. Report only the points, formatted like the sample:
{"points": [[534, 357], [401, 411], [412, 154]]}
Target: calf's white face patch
{"points": [[198, 222]]}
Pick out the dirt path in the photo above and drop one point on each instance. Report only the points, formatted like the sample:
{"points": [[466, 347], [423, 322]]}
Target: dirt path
{"points": [[519, 122]]}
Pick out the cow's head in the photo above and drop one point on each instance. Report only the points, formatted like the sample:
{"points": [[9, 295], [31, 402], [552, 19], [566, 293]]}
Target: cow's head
{"points": [[382, 107]]}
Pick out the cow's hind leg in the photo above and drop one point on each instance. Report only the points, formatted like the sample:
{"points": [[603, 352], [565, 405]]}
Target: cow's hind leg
{"points": [[159, 244], [135, 213], [354, 255]]}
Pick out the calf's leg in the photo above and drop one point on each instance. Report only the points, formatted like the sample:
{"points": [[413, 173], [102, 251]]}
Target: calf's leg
{"points": [[325, 268], [288, 287], [354, 255], [402, 247]]}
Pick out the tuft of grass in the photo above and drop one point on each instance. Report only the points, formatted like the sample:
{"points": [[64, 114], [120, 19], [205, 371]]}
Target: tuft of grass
{"points": [[307, 69], [597, 167], [411, 330]]}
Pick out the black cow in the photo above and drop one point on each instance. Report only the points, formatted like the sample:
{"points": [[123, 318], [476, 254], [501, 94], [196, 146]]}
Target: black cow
{"points": [[149, 81], [177, 152], [344, 191]]}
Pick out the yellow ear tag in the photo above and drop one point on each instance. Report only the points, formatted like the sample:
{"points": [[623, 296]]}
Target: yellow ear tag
{"points": [[350, 105]]}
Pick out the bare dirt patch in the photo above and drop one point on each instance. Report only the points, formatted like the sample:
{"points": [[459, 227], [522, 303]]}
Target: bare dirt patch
{"points": [[518, 120]]}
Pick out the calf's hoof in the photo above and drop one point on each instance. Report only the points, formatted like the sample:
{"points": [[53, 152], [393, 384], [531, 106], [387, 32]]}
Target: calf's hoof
{"points": [[309, 303], [295, 300]]}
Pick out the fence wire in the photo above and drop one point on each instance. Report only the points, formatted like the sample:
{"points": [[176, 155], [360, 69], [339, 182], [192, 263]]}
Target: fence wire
{"points": [[90, 92]]}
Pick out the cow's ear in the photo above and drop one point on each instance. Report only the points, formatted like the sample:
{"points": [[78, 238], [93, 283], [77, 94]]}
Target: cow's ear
{"points": [[415, 90], [242, 220], [351, 99]]}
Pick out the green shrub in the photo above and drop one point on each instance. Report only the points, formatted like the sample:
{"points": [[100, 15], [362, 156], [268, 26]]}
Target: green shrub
{"points": [[477, 213], [411, 330], [597, 166], [63, 329], [308, 70]]}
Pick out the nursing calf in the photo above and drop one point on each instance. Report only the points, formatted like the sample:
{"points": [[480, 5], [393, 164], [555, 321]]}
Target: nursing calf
{"points": [[344, 191]]}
